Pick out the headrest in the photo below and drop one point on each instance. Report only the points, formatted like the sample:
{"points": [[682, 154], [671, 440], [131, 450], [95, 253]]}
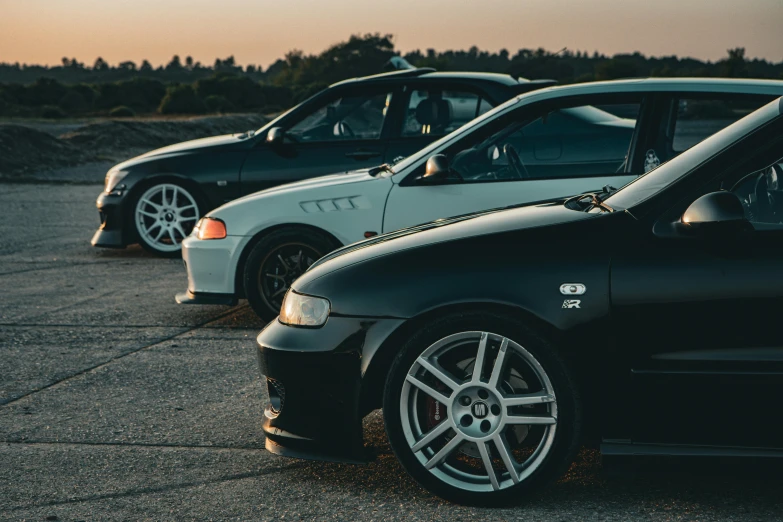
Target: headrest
{"points": [[434, 112]]}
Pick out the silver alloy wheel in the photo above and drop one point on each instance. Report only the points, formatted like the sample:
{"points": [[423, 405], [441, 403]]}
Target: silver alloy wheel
{"points": [[478, 411], [165, 215]]}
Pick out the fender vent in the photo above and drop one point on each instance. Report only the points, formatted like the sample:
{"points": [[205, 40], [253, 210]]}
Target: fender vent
{"points": [[335, 204]]}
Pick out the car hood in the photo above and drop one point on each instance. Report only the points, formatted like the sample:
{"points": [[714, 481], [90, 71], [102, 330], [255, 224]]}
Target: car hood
{"points": [[226, 141], [452, 229], [312, 184]]}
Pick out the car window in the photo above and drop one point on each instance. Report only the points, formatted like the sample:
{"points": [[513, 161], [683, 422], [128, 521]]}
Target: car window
{"points": [[437, 112], [695, 119], [647, 186], [355, 117], [568, 142], [761, 194]]}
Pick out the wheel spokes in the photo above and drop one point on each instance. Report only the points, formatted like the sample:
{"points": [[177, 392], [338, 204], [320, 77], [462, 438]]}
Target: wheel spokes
{"points": [[497, 368], [431, 435], [482, 447], [527, 399], [150, 203], [531, 420], [501, 444], [447, 450], [438, 396], [438, 373], [478, 366]]}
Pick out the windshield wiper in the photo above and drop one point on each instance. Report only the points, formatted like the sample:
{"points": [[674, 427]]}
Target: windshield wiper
{"points": [[380, 168]]}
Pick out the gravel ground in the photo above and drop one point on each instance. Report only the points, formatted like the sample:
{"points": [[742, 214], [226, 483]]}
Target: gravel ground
{"points": [[118, 404]]}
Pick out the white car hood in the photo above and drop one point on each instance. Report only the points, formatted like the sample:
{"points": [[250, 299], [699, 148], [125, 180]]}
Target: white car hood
{"points": [[331, 180]]}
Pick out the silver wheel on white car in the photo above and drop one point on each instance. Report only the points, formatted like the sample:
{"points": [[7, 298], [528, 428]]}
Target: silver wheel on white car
{"points": [[164, 215], [477, 414]]}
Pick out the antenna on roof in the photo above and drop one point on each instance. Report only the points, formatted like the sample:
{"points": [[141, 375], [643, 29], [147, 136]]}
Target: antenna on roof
{"points": [[397, 63]]}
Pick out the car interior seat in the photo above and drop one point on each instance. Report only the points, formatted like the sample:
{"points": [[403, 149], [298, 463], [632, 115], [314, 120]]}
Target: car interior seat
{"points": [[434, 114]]}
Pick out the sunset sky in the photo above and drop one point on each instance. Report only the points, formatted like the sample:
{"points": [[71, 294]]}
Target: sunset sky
{"points": [[260, 31]]}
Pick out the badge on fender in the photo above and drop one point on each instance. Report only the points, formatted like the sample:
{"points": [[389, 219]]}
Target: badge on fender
{"points": [[571, 303]]}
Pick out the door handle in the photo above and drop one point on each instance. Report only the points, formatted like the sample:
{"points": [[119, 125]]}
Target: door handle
{"points": [[363, 154]]}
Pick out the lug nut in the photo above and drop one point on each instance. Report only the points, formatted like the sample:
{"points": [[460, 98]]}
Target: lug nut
{"points": [[483, 394], [464, 400], [466, 421]]}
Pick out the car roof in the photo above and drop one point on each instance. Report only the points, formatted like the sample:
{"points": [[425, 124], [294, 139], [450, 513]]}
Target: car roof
{"points": [[430, 73], [703, 85]]}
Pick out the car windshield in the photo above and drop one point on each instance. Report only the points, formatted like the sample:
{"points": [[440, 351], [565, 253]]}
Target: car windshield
{"points": [[647, 185]]}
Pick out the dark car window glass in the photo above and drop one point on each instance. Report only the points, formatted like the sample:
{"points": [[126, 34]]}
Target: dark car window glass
{"points": [[658, 179], [699, 118], [347, 118], [565, 143], [761, 194], [438, 112]]}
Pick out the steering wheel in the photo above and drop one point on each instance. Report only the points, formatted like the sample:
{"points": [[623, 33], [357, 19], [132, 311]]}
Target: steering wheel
{"points": [[345, 130], [513, 160], [763, 211]]}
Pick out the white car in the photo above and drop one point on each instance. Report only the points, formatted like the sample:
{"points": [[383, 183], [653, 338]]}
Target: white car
{"points": [[542, 145]]}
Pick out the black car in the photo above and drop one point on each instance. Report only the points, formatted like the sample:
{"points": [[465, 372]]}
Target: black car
{"points": [[495, 342], [156, 199]]}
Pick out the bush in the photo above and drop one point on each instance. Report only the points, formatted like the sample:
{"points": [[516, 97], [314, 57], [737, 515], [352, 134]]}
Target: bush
{"points": [[140, 94], [73, 101], [217, 103], [122, 112], [52, 112], [240, 91], [181, 99]]}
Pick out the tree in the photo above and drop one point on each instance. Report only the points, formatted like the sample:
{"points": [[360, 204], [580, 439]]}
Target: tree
{"points": [[174, 64], [127, 66], [145, 66], [100, 64], [189, 62]]}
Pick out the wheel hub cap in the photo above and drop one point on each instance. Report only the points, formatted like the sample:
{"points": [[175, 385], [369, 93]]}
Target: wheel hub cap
{"points": [[482, 413], [165, 215]]}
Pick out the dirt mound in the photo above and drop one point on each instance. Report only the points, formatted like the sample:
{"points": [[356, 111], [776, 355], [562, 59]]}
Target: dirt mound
{"points": [[28, 152], [24, 150], [117, 138]]}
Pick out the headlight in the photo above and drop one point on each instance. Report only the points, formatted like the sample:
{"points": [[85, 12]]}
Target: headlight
{"points": [[113, 177], [210, 228], [303, 310]]}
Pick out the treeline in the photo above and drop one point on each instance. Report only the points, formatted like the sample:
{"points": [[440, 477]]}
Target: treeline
{"points": [[188, 87]]}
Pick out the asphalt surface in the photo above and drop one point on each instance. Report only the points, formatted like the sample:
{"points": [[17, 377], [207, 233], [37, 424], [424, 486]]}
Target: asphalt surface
{"points": [[118, 404]]}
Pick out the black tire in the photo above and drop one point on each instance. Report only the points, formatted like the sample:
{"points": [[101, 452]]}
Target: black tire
{"points": [[313, 244], [567, 435], [185, 196]]}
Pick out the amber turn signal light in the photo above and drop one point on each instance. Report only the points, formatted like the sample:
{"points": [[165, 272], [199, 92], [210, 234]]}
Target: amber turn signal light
{"points": [[211, 228]]}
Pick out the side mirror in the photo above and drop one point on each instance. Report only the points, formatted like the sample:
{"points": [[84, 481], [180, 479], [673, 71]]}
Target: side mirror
{"points": [[275, 136], [716, 211], [437, 170]]}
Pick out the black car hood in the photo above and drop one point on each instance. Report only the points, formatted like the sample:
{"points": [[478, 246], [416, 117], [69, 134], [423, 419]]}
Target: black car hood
{"points": [[443, 230], [211, 144]]}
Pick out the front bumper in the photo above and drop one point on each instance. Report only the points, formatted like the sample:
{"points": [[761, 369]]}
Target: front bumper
{"points": [[315, 381], [111, 233], [211, 266]]}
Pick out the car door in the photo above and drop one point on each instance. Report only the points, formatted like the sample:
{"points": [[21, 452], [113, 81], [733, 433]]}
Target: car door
{"points": [[430, 110], [697, 321], [565, 147], [345, 130]]}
